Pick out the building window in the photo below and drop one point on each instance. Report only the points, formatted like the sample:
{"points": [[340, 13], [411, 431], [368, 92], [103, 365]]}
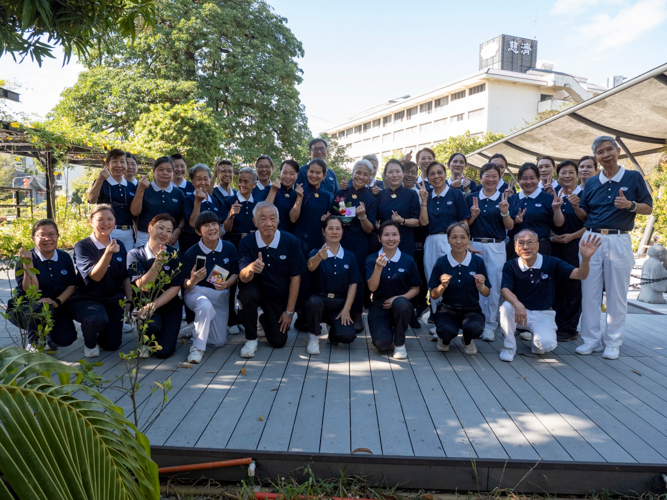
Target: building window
{"points": [[411, 112], [398, 117], [348, 132], [546, 97], [398, 136], [367, 144], [476, 113], [386, 121], [386, 139], [458, 95], [457, 118], [357, 129], [426, 108], [367, 127], [441, 103], [425, 129], [356, 148], [439, 126], [410, 133], [376, 141], [376, 123], [477, 89]]}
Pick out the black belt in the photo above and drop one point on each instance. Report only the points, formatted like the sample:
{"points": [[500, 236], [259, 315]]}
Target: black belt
{"points": [[332, 295], [607, 231], [124, 228], [488, 240]]}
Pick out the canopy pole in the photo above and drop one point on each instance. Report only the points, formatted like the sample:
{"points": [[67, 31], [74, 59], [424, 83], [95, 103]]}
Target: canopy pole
{"points": [[50, 186]]}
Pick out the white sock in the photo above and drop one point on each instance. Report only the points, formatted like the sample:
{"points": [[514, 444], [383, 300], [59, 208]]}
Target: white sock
{"points": [[313, 336]]}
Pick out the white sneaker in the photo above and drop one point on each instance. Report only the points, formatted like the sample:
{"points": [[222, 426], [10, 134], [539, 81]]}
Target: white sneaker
{"points": [[400, 352], [507, 354], [432, 334], [526, 335], [128, 327], [195, 355], [187, 331], [91, 353], [313, 346], [249, 349], [611, 352], [536, 350], [489, 335], [584, 349], [470, 349], [260, 330], [441, 346], [145, 352]]}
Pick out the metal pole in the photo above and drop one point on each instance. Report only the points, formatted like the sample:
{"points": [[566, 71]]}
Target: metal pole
{"points": [[50, 195]]}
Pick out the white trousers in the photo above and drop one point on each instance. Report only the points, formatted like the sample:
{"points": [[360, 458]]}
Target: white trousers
{"points": [[436, 246], [126, 236], [542, 324], [494, 257], [211, 308], [611, 266], [142, 239]]}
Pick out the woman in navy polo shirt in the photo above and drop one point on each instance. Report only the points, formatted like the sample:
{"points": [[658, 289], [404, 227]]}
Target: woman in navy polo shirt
{"points": [[399, 204], [500, 160], [459, 278], [489, 221], [457, 164], [179, 180], [101, 283], [533, 209], [546, 166], [335, 278], [158, 197], [224, 174], [144, 265], [284, 195], [56, 281], [112, 188], [132, 166], [238, 208], [394, 280], [264, 169], [207, 296], [199, 201], [587, 167]]}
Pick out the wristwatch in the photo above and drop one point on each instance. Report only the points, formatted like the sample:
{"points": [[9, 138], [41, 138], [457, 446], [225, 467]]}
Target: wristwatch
{"points": [[57, 301], [633, 208], [290, 314]]}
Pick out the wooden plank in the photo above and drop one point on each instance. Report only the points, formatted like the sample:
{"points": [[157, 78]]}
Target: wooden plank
{"points": [[653, 363], [364, 427], [635, 369], [336, 419]]}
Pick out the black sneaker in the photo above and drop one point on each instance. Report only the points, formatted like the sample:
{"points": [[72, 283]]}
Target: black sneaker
{"points": [[566, 336], [415, 323]]}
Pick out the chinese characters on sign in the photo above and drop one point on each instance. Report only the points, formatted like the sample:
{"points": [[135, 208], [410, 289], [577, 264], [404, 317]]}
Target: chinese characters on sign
{"points": [[525, 47], [514, 46]]}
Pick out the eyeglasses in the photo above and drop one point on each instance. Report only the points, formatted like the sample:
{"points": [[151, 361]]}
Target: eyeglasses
{"points": [[319, 150], [527, 243], [47, 236]]}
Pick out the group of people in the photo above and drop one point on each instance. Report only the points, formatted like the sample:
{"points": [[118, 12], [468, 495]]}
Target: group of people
{"points": [[424, 238]]}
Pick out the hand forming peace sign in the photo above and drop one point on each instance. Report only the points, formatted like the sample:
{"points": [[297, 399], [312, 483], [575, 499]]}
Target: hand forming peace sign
{"points": [[557, 203], [519, 216], [423, 193], [474, 210], [504, 205]]}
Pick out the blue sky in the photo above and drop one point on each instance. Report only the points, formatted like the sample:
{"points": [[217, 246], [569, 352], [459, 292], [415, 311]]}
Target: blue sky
{"points": [[361, 53]]}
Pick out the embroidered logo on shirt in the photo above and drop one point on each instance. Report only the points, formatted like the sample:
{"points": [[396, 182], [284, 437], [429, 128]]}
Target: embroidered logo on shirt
{"points": [[449, 203], [131, 194], [538, 204], [64, 271], [472, 273], [346, 266], [283, 257], [545, 276], [166, 268], [624, 188], [175, 200], [401, 270], [225, 260], [119, 259]]}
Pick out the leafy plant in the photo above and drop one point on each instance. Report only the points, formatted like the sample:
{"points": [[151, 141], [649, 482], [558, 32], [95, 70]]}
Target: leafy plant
{"points": [[464, 143]]}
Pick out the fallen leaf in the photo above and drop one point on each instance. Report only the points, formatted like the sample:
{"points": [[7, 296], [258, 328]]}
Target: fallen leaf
{"points": [[273, 390], [522, 377], [243, 372], [185, 365], [365, 450], [635, 371], [261, 419]]}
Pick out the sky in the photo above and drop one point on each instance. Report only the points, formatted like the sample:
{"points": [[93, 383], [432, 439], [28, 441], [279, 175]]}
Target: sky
{"points": [[362, 53]]}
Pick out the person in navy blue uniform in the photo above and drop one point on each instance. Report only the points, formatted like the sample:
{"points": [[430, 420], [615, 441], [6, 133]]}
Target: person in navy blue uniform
{"points": [[546, 165], [55, 279], [459, 278], [424, 158], [162, 311], [224, 174], [529, 289], [264, 169], [178, 179], [208, 288], [271, 264], [609, 204], [196, 203], [333, 288], [284, 195], [500, 160], [565, 246], [533, 209], [112, 188], [394, 281], [238, 208], [102, 281], [587, 167], [158, 197], [319, 149], [489, 220], [457, 165], [131, 168]]}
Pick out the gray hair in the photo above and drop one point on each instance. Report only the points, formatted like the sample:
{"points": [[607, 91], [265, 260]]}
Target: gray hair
{"points": [[265, 204], [516, 236], [363, 163], [199, 167], [249, 170], [371, 157], [601, 139]]}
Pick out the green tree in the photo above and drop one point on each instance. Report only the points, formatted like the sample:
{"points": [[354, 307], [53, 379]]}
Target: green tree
{"points": [[465, 144], [7, 169]]}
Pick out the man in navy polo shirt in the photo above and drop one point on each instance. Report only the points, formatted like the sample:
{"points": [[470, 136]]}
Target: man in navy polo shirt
{"points": [[271, 264], [529, 289], [319, 148], [608, 207]]}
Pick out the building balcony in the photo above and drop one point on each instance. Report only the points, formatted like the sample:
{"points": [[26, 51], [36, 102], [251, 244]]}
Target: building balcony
{"points": [[552, 105]]}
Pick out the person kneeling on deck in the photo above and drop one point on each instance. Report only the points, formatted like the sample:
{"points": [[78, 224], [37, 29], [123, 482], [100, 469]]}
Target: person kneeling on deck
{"points": [[529, 289], [271, 263], [459, 278], [394, 280], [334, 285], [211, 267]]}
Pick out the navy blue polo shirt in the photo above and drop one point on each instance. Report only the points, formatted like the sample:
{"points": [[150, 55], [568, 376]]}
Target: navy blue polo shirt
{"points": [[572, 222], [473, 186], [600, 193], [501, 188], [535, 287], [119, 195], [398, 276], [282, 258], [329, 183], [260, 193], [284, 202], [208, 205], [308, 228], [158, 201], [449, 207], [405, 202], [109, 290], [186, 187], [461, 292], [243, 220], [55, 275], [224, 255], [140, 260], [489, 222], [336, 273], [539, 215], [221, 195]]}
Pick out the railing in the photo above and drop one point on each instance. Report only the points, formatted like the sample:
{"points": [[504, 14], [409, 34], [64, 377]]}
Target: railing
{"points": [[16, 196]]}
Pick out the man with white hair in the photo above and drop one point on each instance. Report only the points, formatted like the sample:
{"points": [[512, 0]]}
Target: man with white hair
{"points": [[529, 289]]}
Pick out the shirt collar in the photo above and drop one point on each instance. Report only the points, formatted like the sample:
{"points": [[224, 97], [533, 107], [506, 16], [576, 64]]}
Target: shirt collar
{"points": [[242, 199], [98, 244], [274, 243], [157, 188], [373, 183], [207, 250], [454, 263], [441, 195], [149, 253], [616, 178], [533, 195], [134, 181], [114, 182], [482, 196], [340, 253], [576, 190], [524, 267], [261, 186], [230, 193], [42, 258], [182, 185], [396, 256]]}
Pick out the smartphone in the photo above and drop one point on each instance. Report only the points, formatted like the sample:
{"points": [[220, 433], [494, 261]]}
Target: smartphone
{"points": [[201, 262]]}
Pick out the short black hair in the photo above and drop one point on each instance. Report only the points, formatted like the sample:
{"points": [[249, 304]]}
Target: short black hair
{"points": [[499, 155], [409, 164], [330, 218], [433, 164], [320, 162], [264, 157], [133, 157], [291, 163], [584, 158], [566, 163], [451, 159], [206, 218], [163, 159], [177, 156], [114, 153], [224, 162], [489, 166], [43, 222], [393, 161], [386, 223], [315, 141], [528, 166]]}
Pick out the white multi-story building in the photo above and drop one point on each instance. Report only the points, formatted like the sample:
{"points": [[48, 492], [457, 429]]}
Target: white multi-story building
{"points": [[491, 100]]}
